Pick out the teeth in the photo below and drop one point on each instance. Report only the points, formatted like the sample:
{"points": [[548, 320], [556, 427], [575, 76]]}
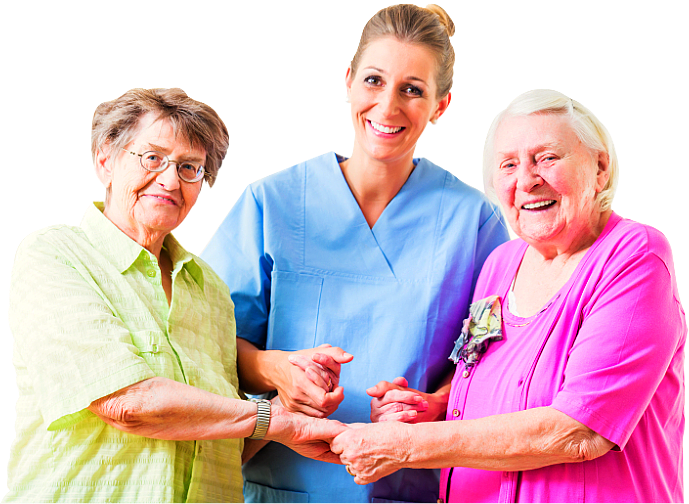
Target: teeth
{"points": [[385, 129], [532, 206]]}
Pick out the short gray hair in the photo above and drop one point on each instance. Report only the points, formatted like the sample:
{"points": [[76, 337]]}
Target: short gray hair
{"points": [[587, 127], [115, 122]]}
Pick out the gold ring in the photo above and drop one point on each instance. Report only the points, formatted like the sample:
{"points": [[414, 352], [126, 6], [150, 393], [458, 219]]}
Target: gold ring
{"points": [[350, 471], [330, 384]]}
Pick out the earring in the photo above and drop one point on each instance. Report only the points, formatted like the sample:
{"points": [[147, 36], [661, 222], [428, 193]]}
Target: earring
{"points": [[434, 121]]}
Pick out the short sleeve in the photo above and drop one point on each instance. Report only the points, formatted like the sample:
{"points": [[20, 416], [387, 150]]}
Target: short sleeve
{"points": [[236, 254], [74, 348], [632, 328]]}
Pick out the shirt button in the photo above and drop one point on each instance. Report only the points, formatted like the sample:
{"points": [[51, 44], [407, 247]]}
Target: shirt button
{"points": [[465, 374], [151, 273], [455, 412]]}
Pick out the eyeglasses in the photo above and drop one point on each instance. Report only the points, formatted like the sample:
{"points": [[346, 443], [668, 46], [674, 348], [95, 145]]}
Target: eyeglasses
{"points": [[157, 162]]}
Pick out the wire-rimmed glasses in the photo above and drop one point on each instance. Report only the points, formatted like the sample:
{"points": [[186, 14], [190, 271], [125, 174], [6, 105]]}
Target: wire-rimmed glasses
{"points": [[154, 161]]}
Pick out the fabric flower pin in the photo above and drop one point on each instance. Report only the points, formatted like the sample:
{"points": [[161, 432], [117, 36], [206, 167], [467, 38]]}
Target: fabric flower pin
{"points": [[483, 326]]}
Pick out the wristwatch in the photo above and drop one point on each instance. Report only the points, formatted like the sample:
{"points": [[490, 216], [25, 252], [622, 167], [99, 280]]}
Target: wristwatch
{"points": [[262, 419]]}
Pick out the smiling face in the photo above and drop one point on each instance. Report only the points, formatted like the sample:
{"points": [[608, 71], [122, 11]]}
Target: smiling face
{"points": [[547, 181], [393, 97], [147, 205]]}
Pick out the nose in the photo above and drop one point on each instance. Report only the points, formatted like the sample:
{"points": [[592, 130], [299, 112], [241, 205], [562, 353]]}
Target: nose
{"points": [[168, 178], [528, 177], [388, 102]]}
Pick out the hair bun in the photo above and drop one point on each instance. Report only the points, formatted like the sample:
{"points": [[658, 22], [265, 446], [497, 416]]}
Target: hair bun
{"points": [[444, 18]]}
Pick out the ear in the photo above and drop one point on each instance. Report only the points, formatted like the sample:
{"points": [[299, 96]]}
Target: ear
{"points": [[349, 77], [603, 174], [442, 107], [103, 165]]}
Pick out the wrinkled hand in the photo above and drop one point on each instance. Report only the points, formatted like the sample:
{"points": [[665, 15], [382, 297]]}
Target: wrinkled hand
{"points": [[310, 437], [309, 380], [373, 451], [397, 402]]}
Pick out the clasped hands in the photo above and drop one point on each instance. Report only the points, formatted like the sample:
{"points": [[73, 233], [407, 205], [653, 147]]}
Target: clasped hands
{"points": [[370, 451]]}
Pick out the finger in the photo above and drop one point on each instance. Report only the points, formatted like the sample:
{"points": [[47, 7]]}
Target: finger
{"points": [[399, 396], [327, 362], [299, 360], [324, 345], [319, 377], [337, 354], [331, 457], [407, 416], [380, 388], [332, 400], [401, 381]]}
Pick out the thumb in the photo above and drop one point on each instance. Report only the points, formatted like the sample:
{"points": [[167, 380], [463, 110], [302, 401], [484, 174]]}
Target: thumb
{"points": [[401, 381], [336, 354]]}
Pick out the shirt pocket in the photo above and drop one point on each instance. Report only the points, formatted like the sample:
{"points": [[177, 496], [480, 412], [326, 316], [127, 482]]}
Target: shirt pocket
{"points": [[155, 350], [294, 303]]}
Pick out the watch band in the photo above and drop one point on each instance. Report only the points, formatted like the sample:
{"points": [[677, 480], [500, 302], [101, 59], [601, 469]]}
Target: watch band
{"points": [[262, 419]]}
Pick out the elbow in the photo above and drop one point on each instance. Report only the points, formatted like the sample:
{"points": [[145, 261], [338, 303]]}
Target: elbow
{"points": [[586, 446], [123, 411]]}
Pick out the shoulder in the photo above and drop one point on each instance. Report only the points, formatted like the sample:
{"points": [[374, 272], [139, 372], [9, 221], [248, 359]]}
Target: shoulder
{"points": [[53, 240], [627, 238], [454, 185], [505, 253], [459, 194], [290, 178]]}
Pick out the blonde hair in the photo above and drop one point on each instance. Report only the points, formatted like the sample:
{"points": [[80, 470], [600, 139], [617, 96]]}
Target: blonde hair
{"points": [[430, 27], [587, 127], [115, 123]]}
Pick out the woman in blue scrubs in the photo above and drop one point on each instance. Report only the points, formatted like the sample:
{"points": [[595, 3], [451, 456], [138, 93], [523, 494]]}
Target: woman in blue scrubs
{"points": [[376, 254]]}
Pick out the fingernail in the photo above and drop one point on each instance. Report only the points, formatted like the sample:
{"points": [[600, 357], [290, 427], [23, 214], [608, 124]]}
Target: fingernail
{"points": [[418, 398], [425, 404], [347, 355], [370, 390], [413, 413]]}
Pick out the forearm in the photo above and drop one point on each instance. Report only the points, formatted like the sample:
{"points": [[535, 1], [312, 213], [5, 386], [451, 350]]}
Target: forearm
{"points": [[165, 409], [257, 368], [517, 441]]}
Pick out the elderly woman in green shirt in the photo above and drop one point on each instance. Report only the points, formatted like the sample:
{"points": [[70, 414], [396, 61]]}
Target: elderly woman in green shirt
{"points": [[125, 342]]}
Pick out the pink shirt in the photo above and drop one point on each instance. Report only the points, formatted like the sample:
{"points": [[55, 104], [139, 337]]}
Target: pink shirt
{"points": [[607, 350]]}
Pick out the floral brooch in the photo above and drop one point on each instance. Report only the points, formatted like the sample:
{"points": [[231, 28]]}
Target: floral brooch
{"points": [[483, 326]]}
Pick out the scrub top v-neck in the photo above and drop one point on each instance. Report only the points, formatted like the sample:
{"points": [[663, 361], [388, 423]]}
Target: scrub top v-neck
{"points": [[304, 268]]}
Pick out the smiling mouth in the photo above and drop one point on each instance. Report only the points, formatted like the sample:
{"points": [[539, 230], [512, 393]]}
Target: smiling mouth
{"points": [[385, 129], [540, 205], [162, 198]]}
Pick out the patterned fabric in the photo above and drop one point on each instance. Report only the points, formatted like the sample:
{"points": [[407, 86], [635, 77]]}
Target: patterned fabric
{"points": [[89, 317], [483, 325]]}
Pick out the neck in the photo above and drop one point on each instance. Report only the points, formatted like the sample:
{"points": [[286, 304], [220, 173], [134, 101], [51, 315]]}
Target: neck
{"points": [[375, 183], [574, 248]]}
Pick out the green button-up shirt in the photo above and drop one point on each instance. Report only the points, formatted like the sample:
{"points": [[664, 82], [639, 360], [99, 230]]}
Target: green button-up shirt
{"points": [[89, 317]]}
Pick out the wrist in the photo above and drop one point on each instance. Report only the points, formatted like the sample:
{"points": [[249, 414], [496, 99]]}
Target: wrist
{"points": [[263, 417], [279, 422], [437, 405]]}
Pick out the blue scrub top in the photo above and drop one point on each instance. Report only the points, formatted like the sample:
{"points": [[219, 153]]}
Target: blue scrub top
{"points": [[304, 268]]}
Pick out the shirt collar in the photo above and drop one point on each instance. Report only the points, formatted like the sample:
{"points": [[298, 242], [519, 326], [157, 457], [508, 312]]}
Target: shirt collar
{"points": [[122, 251]]}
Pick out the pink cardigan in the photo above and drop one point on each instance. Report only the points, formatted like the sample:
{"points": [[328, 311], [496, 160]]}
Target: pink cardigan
{"points": [[607, 350]]}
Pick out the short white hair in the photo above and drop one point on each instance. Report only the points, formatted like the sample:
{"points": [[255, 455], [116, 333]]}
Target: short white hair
{"points": [[587, 127]]}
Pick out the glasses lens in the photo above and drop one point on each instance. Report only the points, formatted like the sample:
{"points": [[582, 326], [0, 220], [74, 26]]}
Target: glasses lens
{"points": [[153, 161], [190, 172]]}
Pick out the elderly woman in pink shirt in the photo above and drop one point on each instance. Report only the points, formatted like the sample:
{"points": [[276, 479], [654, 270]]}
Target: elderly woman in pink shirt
{"points": [[569, 383]]}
